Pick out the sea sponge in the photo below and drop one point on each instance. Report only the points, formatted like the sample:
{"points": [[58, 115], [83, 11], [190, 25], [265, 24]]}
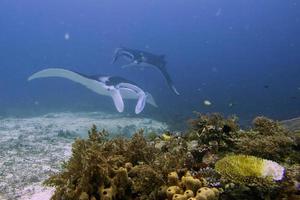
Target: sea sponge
{"points": [[173, 190], [190, 183], [249, 170], [179, 197], [162, 192], [206, 193], [107, 193], [189, 193], [84, 196], [173, 178], [121, 181]]}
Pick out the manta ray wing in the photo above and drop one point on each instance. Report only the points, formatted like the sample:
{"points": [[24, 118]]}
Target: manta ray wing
{"points": [[91, 84]]}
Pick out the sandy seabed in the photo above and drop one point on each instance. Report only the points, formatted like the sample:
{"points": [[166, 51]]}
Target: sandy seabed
{"points": [[33, 148]]}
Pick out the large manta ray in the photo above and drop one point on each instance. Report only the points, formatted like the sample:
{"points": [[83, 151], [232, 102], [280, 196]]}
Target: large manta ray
{"points": [[143, 58], [115, 87]]}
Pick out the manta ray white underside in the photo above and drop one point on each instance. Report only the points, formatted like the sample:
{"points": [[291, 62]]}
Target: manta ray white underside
{"points": [[118, 92]]}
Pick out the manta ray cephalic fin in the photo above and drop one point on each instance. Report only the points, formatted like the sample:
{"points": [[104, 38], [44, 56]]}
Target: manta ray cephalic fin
{"points": [[118, 100]]}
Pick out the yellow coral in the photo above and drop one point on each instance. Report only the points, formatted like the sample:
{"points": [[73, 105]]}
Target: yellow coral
{"points": [[249, 169]]}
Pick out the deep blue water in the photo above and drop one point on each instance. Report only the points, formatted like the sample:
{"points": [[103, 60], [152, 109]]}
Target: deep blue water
{"points": [[245, 52]]}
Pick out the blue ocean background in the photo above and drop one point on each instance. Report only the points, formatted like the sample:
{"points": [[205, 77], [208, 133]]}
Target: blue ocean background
{"points": [[241, 55]]}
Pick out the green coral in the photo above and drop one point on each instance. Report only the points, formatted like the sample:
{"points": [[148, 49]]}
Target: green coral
{"points": [[243, 169]]}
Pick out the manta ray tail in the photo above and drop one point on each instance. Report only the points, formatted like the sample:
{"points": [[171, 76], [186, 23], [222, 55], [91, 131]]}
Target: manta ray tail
{"points": [[116, 55], [83, 80], [169, 80]]}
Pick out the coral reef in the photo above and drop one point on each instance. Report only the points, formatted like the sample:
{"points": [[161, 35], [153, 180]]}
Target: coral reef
{"points": [[214, 130], [184, 166], [267, 139]]}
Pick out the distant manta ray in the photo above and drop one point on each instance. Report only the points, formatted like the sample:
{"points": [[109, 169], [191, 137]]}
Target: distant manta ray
{"points": [[143, 58], [115, 87]]}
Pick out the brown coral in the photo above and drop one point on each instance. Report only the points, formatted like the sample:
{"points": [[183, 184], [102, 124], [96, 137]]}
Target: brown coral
{"points": [[214, 131], [267, 140]]}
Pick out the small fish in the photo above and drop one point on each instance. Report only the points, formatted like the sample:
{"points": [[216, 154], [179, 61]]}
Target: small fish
{"points": [[207, 103], [266, 86], [166, 136]]}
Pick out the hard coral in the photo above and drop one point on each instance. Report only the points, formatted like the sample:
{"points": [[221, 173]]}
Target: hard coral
{"points": [[267, 139], [249, 170], [214, 130]]}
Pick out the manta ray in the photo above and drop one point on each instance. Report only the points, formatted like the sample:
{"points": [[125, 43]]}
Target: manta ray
{"points": [[144, 59], [117, 88]]}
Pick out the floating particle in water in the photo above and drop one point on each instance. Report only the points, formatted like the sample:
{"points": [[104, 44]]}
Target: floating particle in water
{"points": [[36, 103], [67, 36], [219, 12], [207, 103], [231, 104], [214, 69]]}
